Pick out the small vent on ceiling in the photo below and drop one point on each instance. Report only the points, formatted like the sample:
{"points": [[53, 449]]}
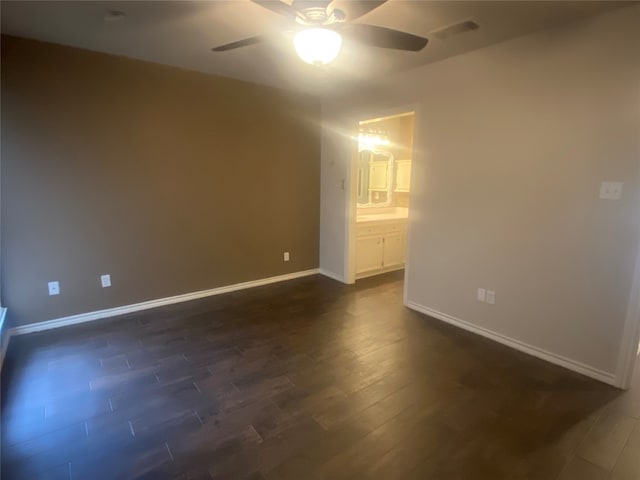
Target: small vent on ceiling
{"points": [[462, 27]]}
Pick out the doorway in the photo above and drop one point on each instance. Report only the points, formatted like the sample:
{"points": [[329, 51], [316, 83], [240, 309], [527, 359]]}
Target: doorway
{"points": [[379, 195]]}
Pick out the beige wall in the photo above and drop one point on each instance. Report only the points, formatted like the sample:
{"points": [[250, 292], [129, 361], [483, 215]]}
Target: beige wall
{"points": [[171, 181], [512, 143]]}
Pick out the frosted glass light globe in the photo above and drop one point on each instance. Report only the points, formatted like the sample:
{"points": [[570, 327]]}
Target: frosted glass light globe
{"points": [[317, 46]]}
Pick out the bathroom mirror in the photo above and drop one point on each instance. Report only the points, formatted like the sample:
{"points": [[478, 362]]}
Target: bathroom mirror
{"points": [[374, 180]]}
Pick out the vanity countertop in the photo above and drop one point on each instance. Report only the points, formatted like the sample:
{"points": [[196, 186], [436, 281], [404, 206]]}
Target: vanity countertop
{"points": [[399, 214]]}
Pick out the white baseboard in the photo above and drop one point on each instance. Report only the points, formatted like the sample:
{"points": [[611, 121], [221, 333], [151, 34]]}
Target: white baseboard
{"points": [[606, 377], [4, 336], [136, 307], [379, 272], [332, 275]]}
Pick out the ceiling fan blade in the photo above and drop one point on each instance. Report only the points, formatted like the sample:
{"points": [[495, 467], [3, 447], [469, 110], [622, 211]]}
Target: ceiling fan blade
{"points": [[384, 37], [240, 43], [356, 8], [278, 7]]}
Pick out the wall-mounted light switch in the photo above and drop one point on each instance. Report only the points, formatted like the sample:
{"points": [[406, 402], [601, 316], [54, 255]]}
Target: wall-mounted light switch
{"points": [[481, 294], [491, 297], [54, 288]]}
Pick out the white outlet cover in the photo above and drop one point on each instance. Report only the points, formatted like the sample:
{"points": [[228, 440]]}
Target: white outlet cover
{"points": [[286, 256], [54, 288], [491, 297], [611, 190], [105, 280]]}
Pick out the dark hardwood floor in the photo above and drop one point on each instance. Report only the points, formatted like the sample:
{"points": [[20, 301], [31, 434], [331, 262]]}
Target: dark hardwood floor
{"points": [[307, 379]]}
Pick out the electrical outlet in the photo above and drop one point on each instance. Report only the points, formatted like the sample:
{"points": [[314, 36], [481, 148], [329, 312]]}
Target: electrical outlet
{"points": [[286, 256], [105, 280], [611, 190], [54, 288], [481, 294], [491, 297]]}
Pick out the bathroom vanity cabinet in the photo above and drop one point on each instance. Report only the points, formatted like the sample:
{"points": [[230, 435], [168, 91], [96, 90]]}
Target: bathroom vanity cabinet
{"points": [[380, 246]]}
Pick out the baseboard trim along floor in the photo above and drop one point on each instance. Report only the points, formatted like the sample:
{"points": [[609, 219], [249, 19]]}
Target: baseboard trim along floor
{"points": [[332, 275], [606, 377], [136, 307]]}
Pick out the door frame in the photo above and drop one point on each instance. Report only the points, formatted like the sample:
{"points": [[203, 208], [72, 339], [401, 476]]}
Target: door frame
{"points": [[631, 333], [352, 174]]}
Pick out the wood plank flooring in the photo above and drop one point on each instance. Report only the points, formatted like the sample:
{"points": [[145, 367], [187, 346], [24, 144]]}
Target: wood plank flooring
{"points": [[308, 379]]}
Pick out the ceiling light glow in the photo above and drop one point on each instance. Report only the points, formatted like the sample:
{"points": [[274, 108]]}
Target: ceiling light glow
{"points": [[369, 141], [317, 46]]}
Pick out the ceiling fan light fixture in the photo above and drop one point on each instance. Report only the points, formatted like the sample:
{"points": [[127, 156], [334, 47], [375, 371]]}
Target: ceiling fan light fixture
{"points": [[317, 46]]}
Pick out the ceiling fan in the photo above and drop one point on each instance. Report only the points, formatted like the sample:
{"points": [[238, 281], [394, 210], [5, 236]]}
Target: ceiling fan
{"points": [[319, 25]]}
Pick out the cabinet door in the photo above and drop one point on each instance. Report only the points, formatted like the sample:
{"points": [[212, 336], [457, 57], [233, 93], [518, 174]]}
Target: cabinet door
{"points": [[369, 251], [379, 176], [393, 252]]}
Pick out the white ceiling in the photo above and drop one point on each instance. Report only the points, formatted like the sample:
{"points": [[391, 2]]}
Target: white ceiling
{"points": [[181, 34]]}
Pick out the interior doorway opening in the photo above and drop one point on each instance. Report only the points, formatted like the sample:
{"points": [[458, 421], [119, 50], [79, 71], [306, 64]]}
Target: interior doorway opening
{"points": [[380, 188]]}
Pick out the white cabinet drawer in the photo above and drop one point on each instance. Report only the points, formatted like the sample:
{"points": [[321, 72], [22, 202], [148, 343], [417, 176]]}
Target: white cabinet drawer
{"points": [[364, 230], [377, 228], [395, 227]]}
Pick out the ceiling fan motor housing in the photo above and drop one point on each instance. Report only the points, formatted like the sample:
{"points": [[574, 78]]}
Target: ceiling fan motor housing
{"points": [[315, 12]]}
